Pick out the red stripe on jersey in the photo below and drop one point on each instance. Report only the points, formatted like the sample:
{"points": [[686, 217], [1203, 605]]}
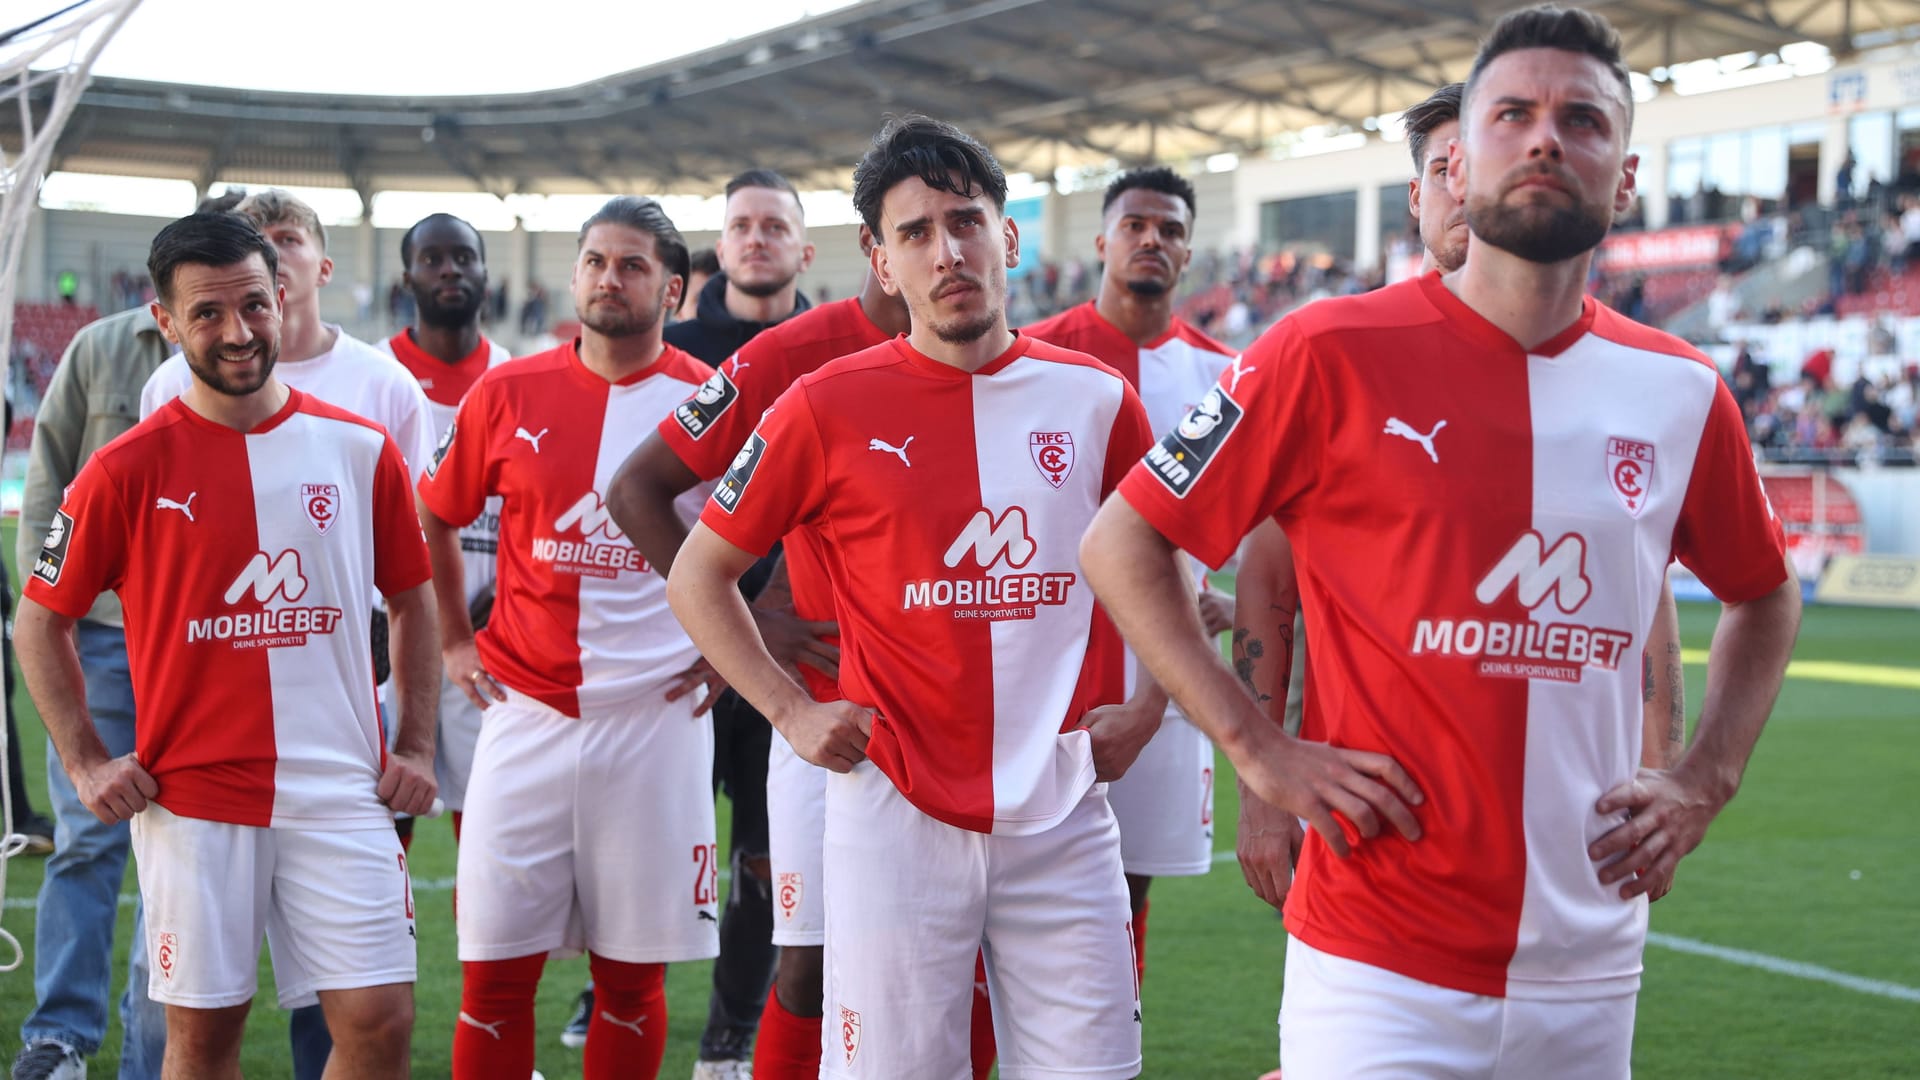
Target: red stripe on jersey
{"points": [[708, 428], [443, 383]]}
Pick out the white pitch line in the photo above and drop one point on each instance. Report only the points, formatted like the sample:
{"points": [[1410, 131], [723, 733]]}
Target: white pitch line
{"points": [[1746, 958], [1876, 987]]}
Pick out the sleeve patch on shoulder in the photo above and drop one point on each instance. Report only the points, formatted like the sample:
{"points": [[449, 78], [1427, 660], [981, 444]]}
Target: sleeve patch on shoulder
{"points": [[53, 556], [708, 404], [734, 484], [440, 453], [1187, 450]]}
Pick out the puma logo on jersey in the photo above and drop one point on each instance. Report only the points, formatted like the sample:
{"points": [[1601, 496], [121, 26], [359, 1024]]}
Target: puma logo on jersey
{"points": [[897, 451], [1397, 426], [164, 503], [523, 433], [1238, 374]]}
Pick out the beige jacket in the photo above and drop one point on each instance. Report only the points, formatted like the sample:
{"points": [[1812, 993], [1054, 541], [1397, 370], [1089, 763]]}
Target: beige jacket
{"points": [[94, 398]]}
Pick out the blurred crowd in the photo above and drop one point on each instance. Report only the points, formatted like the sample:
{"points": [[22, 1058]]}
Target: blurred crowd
{"points": [[1870, 420]]}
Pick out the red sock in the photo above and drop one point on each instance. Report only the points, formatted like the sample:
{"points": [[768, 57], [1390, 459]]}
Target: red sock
{"points": [[627, 1036], [788, 1047], [1140, 945], [983, 1047], [493, 1038]]}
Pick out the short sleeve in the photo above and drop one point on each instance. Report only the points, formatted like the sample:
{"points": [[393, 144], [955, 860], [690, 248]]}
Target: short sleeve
{"points": [[85, 553], [1130, 439], [399, 550], [1246, 451], [776, 480], [708, 428], [414, 432], [459, 476], [1728, 534]]}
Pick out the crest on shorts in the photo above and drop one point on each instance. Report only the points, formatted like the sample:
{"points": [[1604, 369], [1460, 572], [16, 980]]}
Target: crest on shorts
{"points": [[1630, 472], [166, 954], [322, 505], [1052, 453], [792, 888], [849, 1033]]}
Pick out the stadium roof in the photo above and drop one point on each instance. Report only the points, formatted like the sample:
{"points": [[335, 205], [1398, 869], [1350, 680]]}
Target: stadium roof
{"points": [[1046, 83]]}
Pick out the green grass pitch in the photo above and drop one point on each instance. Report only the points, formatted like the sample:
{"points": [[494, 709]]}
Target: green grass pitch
{"points": [[1833, 790]]}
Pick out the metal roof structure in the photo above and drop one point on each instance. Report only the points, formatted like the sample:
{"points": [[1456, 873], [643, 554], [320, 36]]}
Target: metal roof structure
{"points": [[1045, 83]]}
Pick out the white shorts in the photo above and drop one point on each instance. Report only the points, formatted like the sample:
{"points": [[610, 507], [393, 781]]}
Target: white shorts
{"points": [[911, 900], [796, 828], [335, 908], [590, 834], [1345, 1019], [1165, 803]]}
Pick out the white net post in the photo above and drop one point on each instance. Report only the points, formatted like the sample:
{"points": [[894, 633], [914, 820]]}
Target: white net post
{"points": [[54, 52]]}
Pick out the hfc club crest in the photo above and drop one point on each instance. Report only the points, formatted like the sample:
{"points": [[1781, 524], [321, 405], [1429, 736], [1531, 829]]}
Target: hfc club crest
{"points": [[849, 1032], [791, 890], [168, 954], [322, 505], [1052, 454], [1630, 472]]}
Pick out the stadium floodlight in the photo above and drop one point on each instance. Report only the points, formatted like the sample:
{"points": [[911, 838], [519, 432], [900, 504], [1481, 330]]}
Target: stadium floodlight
{"points": [[44, 66]]}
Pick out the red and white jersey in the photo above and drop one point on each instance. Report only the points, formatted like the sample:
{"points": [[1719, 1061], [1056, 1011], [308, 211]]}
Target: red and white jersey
{"points": [[951, 506], [707, 429], [243, 561], [1481, 533], [445, 385], [580, 621], [1171, 375]]}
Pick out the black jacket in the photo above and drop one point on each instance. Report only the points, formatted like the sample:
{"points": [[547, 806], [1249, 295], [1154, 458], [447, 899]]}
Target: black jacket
{"points": [[713, 334]]}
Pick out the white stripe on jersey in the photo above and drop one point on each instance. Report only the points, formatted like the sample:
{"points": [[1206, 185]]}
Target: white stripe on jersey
{"points": [[1045, 771], [1593, 391], [636, 614], [321, 763]]}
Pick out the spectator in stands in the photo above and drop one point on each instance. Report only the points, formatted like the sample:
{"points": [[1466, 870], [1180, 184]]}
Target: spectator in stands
{"points": [[1723, 304], [1843, 183], [1857, 258], [1901, 397], [533, 313], [704, 263]]}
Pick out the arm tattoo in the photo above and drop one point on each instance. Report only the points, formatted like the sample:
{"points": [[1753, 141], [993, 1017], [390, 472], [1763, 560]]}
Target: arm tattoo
{"points": [[1677, 714], [1246, 650], [1646, 669]]}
